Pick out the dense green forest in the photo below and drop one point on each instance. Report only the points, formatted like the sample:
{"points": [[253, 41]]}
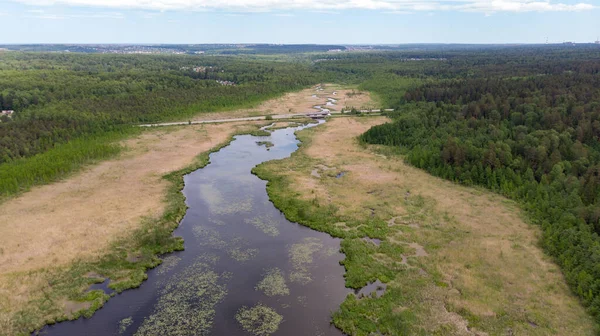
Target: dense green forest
{"points": [[522, 123], [62, 97]]}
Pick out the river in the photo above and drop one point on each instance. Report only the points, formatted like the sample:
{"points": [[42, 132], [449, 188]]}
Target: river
{"points": [[245, 269]]}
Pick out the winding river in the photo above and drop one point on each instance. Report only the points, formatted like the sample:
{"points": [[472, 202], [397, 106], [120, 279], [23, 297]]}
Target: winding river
{"points": [[245, 270]]}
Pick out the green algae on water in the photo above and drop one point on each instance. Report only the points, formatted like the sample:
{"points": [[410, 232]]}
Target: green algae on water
{"points": [[168, 263], [124, 324], [273, 283], [186, 305], [301, 257], [259, 320], [209, 237], [267, 225]]}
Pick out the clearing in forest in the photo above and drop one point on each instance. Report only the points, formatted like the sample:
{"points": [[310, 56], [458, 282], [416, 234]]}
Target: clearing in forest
{"points": [[301, 102]]}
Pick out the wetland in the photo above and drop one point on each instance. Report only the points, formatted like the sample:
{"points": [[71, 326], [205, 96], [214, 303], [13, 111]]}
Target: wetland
{"points": [[245, 270]]}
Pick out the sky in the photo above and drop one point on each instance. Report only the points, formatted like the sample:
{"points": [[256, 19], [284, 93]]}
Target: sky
{"points": [[299, 21]]}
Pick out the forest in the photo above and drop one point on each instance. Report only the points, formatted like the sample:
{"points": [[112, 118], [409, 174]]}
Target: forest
{"points": [[526, 125], [522, 121], [59, 98]]}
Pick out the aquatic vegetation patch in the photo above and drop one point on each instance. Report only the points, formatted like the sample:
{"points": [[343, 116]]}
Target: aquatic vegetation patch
{"points": [[168, 263], [259, 320], [187, 303], [267, 144], [217, 221], [273, 283], [241, 254], [237, 250], [266, 224], [301, 257], [124, 324], [209, 237]]}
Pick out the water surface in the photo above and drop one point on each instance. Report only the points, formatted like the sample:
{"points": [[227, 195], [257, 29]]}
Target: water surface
{"points": [[242, 260]]}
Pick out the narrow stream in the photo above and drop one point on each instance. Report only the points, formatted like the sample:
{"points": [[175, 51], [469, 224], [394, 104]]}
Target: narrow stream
{"points": [[245, 270]]}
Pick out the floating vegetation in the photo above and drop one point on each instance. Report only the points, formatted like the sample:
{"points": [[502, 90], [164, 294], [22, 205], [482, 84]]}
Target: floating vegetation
{"points": [[259, 320], [168, 263], [242, 255], [301, 257], [265, 224], [331, 251], [302, 300], [267, 144], [187, 303], [124, 324], [216, 221], [273, 283], [238, 252], [209, 237]]}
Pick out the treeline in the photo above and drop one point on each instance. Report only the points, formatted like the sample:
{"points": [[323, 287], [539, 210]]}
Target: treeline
{"points": [[60, 97], [533, 138]]}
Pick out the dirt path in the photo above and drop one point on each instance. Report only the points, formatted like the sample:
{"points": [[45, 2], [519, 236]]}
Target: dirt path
{"points": [[473, 266]]}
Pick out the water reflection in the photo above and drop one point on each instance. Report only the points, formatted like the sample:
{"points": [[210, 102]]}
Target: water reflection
{"points": [[245, 269]]}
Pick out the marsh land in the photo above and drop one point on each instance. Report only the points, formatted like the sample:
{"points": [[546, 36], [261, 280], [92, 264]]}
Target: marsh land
{"points": [[468, 205]]}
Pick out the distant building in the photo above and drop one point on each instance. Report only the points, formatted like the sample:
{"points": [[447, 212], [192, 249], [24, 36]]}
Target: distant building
{"points": [[597, 42], [7, 113], [569, 43], [226, 83]]}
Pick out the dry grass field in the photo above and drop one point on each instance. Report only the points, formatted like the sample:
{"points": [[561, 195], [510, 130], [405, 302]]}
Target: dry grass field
{"points": [[467, 263], [52, 226], [300, 102]]}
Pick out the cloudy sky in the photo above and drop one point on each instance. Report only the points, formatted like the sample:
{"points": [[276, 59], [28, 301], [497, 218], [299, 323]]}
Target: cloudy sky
{"points": [[299, 21]]}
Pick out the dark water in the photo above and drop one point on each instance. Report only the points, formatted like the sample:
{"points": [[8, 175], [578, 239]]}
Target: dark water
{"points": [[240, 251]]}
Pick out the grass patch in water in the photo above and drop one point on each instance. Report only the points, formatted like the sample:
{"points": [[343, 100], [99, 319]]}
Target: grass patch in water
{"points": [[301, 257], [209, 237], [168, 263], [267, 144], [273, 284], [266, 224], [259, 320], [186, 305], [124, 324], [259, 132]]}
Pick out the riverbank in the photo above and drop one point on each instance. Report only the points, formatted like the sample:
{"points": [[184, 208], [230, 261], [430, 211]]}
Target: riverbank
{"points": [[109, 221], [450, 260]]}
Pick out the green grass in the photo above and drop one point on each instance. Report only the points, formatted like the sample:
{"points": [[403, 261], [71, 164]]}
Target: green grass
{"points": [[21, 175]]}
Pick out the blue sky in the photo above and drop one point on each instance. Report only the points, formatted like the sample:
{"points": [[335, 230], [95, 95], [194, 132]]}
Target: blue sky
{"points": [[299, 21]]}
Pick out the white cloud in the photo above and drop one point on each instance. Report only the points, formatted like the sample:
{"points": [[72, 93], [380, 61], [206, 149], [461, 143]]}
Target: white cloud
{"points": [[284, 14], [46, 17], [483, 6], [49, 16]]}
